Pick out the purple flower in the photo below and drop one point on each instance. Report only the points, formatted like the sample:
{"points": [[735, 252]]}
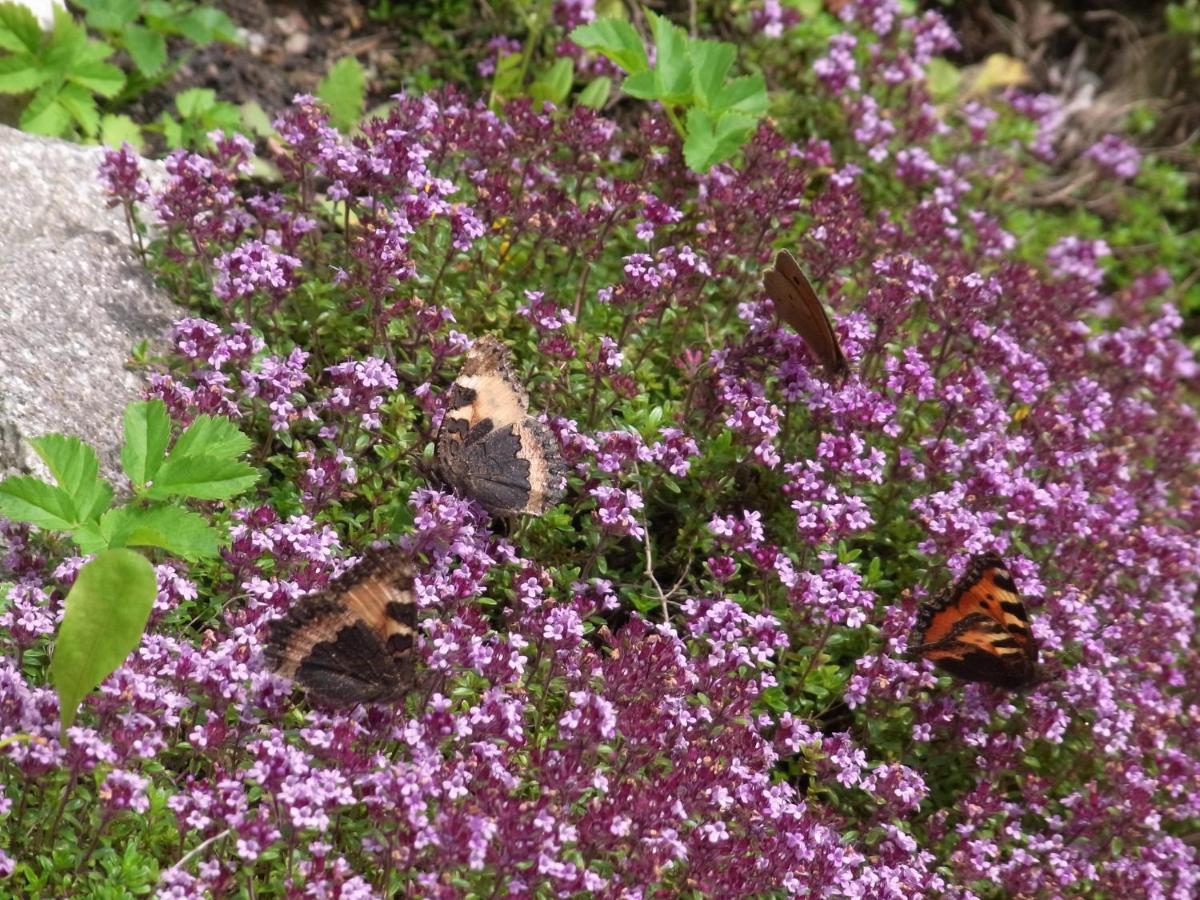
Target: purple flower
{"points": [[1116, 156]]}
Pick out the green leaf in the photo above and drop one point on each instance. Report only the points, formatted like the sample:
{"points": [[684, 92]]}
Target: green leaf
{"points": [[106, 613], [24, 498], [205, 24], [20, 74], [100, 78], [709, 142], [118, 130], [596, 94], [255, 119], [76, 468], [82, 107], [507, 82], [710, 64], [178, 531], [643, 86], [614, 39], [202, 478], [211, 436], [44, 114], [147, 432], [109, 15], [19, 29], [555, 83], [195, 102], [344, 91], [147, 49], [672, 63], [746, 95]]}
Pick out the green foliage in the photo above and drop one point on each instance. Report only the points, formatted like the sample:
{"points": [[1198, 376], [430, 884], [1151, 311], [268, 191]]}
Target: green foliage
{"points": [[200, 112], [344, 92], [713, 113], [1183, 20], [106, 612], [63, 71]]}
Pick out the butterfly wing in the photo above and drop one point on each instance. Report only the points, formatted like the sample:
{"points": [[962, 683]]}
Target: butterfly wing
{"points": [[979, 630], [353, 642], [797, 304], [489, 448]]}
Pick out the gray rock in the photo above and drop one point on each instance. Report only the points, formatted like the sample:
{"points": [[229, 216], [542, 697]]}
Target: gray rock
{"points": [[74, 299]]}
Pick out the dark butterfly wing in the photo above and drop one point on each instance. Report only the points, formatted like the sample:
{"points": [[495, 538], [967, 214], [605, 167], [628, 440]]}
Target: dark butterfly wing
{"points": [[797, 304], [979, 630], [353, 642], [489, 448]]}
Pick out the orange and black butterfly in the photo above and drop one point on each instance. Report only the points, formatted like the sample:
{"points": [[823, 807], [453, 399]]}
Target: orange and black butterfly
{"points": [[354, 642], [797, 304], [978, 630]]}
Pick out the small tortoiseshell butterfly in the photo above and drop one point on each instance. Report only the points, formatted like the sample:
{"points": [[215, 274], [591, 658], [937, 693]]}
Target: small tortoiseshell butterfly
{"points": [[354, 641], [797, 304], [978, 630], [489, 448]]}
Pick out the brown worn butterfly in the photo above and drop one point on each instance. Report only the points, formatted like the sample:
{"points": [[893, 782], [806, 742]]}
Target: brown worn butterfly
{"points": [[354, 641], [489, 448], [978, 630], [797, 304]]}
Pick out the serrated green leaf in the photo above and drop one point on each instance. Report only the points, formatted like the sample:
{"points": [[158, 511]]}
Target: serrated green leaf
{"points": [[711, 61], [255, 119], [100, 78], [147, 49], [672, 62], [596, 94], [614, 39], [178, 531], [214, 436], [44, 114], [20, 74], [76, 468], [19, 29], [344, 91], [555, 83], [109, 15], [195, 102], [118, 130], [643, 86], [746, 96], [105, 615], [202, 478], [147, 433], [508, 79], [205, 24], [710, 142], [82, 107], [24, 498]]}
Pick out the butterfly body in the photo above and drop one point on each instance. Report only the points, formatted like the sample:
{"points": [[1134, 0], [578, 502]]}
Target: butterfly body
{"points": [[978, 630], [489, 448], [353, 642], [798, 305]]}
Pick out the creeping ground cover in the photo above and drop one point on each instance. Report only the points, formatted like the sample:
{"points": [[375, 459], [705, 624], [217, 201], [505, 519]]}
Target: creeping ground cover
{"points": [[688, 678]]}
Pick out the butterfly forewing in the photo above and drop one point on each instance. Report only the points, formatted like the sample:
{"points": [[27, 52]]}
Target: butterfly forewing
{"points": [[353, 642], [798, 305], [979, 630]]}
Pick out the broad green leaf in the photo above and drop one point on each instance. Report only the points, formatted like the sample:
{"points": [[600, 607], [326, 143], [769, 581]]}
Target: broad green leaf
{"points": [[710, 64], [710, 142], [45, 115], [555, 83], [643, 86], [76, 468], [147, 432], [109, 15], [672, 63], [68, 42], [19, 29], [100, 78], [118, 130], [746, 96], [20, 74], [256, 120], [147, 49], [24, 498], [178, 531], [201, 478], [596, 94], [195, 101], [344, 91], [507, 82], [79, 102], [105, 615], [211, 436], [205, 24], [614, 39]]}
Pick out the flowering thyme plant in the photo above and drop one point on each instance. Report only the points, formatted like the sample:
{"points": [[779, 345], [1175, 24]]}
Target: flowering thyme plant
{"points": [[687, 679]]}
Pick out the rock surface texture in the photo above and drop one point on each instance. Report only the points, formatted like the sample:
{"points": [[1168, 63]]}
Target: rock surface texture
{"points": [[74, 299]]}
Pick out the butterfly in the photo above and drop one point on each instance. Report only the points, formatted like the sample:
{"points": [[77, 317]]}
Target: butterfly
{"points": [[488, 447], [797, 304], [353, 642], [978, 630]]}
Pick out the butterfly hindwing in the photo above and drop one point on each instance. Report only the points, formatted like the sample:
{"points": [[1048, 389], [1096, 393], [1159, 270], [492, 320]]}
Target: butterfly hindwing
{"points": [[353, 642], [798, 305], [489, 448], [978, 630]]}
